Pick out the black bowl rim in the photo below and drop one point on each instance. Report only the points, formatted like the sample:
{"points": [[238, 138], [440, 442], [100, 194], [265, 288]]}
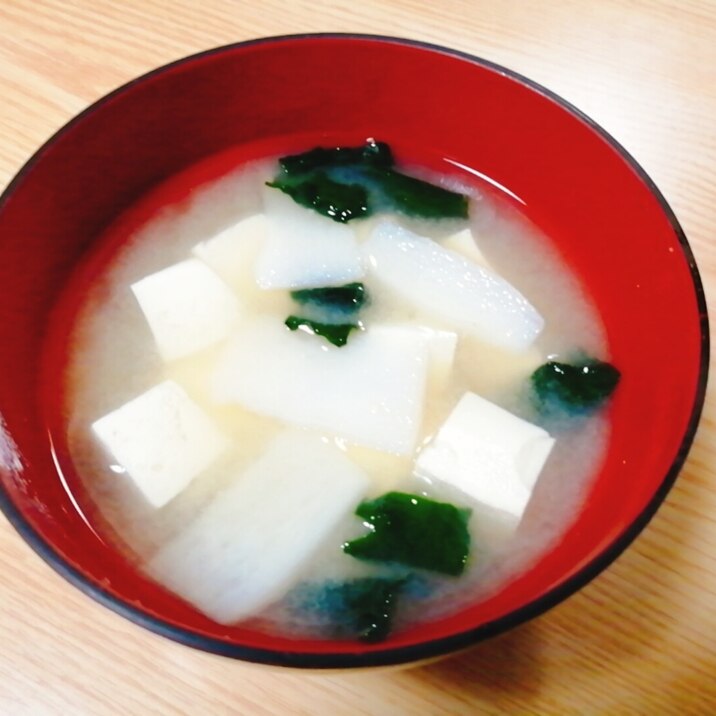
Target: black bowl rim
{"points": [[436, 647]]}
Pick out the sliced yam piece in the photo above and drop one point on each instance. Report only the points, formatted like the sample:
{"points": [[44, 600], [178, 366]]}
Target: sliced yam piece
{"points": [[463, 243], [250, 544], [450, 288], [303, 249], [369, 392], [187, 306], [488, 453], [232, 253], [162, 440]]}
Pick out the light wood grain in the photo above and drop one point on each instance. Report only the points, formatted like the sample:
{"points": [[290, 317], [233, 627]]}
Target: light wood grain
{"points": [[640, 639]]}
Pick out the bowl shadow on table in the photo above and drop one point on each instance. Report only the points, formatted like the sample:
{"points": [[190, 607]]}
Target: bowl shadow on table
{"points": [[613, 617]]}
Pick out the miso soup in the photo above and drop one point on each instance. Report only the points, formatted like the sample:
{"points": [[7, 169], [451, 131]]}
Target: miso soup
{"points": [[331, 393]]}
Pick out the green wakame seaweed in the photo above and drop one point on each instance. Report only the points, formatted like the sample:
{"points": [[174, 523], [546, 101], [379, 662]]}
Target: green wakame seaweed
{"points": [[360, 608], [335, 333], [414, 531], [346, 183], [372, 153], [416, 197], [348, 299], [317, 191], [576, 388]]}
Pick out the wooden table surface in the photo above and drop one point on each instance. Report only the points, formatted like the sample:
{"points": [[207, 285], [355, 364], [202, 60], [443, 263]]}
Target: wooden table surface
{"points": [[641, 638]]}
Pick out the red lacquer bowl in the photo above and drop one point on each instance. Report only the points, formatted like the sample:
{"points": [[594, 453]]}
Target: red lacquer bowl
{"points": [[604, 214]]}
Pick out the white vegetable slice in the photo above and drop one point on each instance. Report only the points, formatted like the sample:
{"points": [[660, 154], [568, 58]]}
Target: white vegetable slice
{"points": [[162, 440], [488, 453], [369, 392], [304, 249], [232, 253], [447, 286], [247, 548], [188, 307]]}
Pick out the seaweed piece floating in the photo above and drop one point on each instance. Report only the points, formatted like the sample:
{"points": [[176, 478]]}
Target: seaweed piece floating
{"points": [[335, 333], [317, 191], [415, 197], [414, 531], [346, 183], [330, 311], [372, 153], [369, 605], [348, 299], [360, 608], [576, 388]]}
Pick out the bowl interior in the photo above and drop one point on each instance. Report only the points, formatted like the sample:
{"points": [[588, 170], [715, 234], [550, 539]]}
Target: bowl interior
{"points": [[605, 219]]}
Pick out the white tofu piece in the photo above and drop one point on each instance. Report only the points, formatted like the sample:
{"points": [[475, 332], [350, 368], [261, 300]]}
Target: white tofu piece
{"points": [[251, 543], [488, 453], [162, 439], [463, 243], [232, 253], [304, 249], [187, 306], [452, 289], [369, 392]]}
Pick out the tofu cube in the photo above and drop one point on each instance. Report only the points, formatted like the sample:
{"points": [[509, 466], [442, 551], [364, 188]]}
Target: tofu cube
{"points": [[253, 541], [369, 392], [488, 453], [304, 249], [187, 306], [232, 253], [452, 289], [162, 439]]}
